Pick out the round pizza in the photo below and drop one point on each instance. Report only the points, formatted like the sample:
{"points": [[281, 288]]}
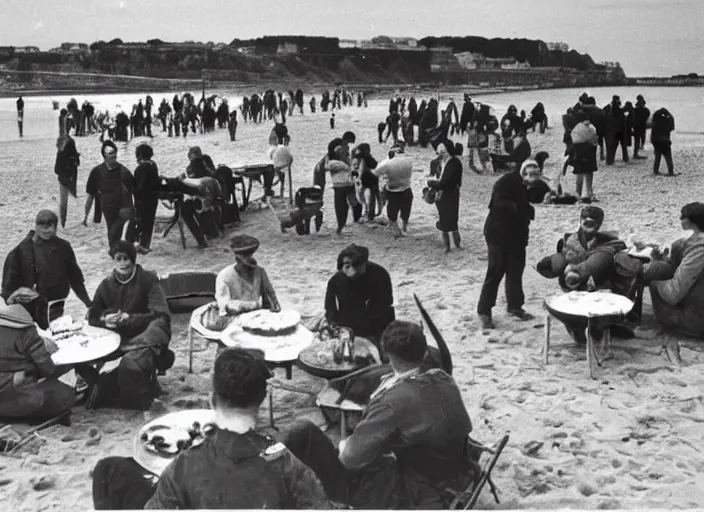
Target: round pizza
{"points": [[270, 323]]}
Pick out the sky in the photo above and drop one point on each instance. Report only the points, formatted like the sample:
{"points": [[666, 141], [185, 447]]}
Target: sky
{"points": [[648, 37]]}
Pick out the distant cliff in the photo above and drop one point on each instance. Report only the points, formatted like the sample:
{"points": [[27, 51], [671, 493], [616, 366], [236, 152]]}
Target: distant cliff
{"points": [[301, 60]]}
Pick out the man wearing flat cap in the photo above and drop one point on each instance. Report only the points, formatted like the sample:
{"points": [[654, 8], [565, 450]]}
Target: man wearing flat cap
{"points": [[415, 415], [677, 283], [360, 295], [244, 286], [42, 268]]}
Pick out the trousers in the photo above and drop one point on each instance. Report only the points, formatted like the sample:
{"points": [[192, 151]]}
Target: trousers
{"points": [[119, 483], [505, 260]]}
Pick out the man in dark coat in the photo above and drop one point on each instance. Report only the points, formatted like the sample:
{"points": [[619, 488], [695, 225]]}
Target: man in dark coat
{"points": [[641, 114], [615, 130], [130, 301], [115, 184], [41, 269], [234, 467], [360, 295], [506, 233], [411, 445]]}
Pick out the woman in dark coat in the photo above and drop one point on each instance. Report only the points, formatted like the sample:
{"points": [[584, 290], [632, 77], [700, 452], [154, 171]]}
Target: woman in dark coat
{"points": [[66, 169], [147, 182], [448, 193]]}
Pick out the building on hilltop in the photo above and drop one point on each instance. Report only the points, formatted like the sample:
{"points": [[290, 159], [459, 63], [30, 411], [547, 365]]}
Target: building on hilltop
{"points": [[26, 49], [348, 43], [287, 49], [610, 64], [558, 47]]}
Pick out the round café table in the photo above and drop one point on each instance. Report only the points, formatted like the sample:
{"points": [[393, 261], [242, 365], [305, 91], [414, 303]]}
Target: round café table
{"points": [[279, 351], [326, 368], [599, 309], [94, 345], [153, 462]]}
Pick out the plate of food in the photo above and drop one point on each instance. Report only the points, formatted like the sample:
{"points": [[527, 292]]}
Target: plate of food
{"points": [[269, 323], [279, 348], [78, 342], [158, 442]]}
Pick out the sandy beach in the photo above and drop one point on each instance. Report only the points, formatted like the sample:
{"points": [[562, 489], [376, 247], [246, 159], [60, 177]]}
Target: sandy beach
{"points": [[633, 438]]}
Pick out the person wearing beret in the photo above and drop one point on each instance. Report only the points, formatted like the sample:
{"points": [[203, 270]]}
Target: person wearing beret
{"points": [[677, 282], [244, 286], [130, 301], [360, 294]]}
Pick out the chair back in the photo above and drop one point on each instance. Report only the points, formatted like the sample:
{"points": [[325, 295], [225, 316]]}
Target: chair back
{"points": [[186, 291]]}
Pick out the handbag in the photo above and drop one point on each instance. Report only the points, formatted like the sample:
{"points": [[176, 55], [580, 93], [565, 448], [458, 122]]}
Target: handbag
{"points": [[429, 195], [212, 320]]}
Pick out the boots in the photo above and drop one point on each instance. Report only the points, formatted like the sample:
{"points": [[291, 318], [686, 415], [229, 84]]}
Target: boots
{"points": [[456, 238]]}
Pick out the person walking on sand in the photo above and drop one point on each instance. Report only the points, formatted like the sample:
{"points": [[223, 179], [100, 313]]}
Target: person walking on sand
{"points": [[20, 114], [663, 126], [115, 184], [447, 198], [66, 168]]}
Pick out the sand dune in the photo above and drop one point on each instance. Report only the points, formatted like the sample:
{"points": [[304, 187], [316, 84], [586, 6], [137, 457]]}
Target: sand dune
{"points": [[631, 439]]}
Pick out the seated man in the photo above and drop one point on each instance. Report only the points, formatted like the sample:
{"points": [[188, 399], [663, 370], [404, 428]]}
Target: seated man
{"points": [[360, 295], [244, 286], [411, 444], [42, 268], [236, 467], [29, 389], [677, 283], [130, 302], [586, 254], [590, 259]]}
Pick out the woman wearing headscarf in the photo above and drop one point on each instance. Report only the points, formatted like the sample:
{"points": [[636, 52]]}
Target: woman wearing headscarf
{"points": [[447, 198], [363, 163], [66, 168], [677, 283]]}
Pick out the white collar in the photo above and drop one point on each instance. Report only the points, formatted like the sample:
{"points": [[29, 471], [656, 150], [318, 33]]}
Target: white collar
{"points": [[238, 424], [390, 381]]}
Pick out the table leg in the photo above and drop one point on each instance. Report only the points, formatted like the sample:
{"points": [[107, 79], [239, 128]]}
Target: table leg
{"points": [[546, 343], [343, 425], [590, 349], [180, 230], [271, 408], [190, 349]]}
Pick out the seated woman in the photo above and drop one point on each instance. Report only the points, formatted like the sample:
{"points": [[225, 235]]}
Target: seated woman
{"points": [[29, 389], [539, 191], [130, 301], [360, 296], [677, 283], [244, 286], [590, 259]]}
